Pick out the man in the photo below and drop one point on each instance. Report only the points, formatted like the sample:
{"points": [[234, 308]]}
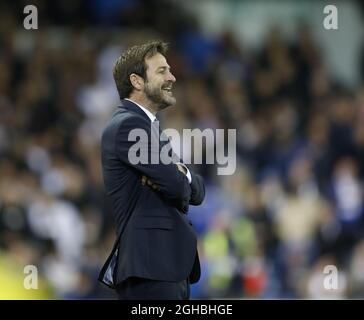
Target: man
{"points": [[155, 253]]}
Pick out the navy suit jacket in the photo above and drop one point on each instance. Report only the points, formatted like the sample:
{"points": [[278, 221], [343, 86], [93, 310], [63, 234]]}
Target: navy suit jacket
{"points": [[155, 239]]}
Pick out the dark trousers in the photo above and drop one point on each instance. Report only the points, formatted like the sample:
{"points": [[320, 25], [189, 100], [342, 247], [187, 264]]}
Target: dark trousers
{"points": [[146, 289]]}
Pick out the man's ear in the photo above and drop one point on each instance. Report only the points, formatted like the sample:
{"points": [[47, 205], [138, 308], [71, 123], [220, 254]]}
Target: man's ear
{"points": [[136, 81]]}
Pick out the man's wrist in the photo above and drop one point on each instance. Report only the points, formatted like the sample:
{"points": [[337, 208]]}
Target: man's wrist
{"points": [[185, 171]]}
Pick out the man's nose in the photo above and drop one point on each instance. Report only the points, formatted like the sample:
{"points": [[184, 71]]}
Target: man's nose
{"points": [[171, 77]]}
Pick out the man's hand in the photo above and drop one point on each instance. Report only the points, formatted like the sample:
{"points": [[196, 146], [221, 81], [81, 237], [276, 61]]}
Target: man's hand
{"points": [[147, 181]]}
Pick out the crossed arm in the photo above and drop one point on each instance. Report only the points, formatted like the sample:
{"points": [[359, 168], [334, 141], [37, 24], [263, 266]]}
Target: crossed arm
{"points": [[167, 179], [197, 186]]}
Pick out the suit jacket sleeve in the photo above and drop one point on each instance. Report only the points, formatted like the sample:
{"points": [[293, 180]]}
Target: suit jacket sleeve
{"points": [[173, 184]]}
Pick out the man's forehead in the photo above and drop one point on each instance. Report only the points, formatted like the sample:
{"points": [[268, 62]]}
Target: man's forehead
{"points": [[157, 61]]}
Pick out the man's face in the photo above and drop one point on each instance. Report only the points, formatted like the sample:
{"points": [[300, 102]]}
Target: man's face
{"points": [[159, 82]]}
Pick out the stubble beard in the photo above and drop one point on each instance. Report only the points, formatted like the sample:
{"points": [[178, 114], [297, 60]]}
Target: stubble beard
{"points": [[160, 99]]}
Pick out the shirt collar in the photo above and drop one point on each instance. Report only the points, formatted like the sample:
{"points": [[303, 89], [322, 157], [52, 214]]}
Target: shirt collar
{"points": [[150, 115]]}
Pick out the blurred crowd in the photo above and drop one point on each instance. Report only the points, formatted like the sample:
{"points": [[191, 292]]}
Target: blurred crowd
{"points": [[293, 206]]}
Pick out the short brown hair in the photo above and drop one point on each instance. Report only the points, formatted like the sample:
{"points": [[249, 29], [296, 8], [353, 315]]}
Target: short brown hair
{"points": [[133, 61]]}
